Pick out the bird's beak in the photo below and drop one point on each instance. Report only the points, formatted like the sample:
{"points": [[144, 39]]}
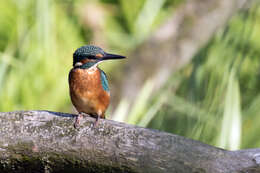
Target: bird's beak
{"points": [[111, 56]]}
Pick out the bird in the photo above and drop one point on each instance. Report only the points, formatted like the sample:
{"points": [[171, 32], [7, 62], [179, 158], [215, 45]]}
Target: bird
{"points": [[88, 84]]}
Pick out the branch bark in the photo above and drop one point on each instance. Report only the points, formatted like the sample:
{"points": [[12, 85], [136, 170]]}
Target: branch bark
{"points": [[44, 141], [175, 43]]}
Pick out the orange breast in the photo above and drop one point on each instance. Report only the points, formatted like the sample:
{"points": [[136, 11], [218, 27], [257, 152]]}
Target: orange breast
{"points": [[86, 91]]}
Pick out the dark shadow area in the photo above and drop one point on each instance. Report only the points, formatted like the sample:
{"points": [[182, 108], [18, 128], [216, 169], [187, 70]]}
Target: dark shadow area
{"points": [[58, 113]]}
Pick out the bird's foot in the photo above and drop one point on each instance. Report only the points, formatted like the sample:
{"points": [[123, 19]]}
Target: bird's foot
{"points": [[77, 121], [97, 121]]}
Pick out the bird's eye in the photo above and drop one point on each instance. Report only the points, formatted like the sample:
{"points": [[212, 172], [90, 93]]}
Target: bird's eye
{"points": [[99, 55]]}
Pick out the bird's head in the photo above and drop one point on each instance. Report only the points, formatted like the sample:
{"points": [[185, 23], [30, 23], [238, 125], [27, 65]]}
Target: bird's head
{"points": [[92, 54]]}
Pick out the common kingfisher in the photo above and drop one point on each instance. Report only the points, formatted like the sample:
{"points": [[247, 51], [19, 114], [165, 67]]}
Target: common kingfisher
{"points": [[89, 91]]}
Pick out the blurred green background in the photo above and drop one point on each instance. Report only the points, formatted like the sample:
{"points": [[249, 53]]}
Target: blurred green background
{"points": [[214, 99]]}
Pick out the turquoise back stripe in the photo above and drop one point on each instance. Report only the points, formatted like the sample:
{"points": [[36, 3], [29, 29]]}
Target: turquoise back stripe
{"points": [[104, 80]]}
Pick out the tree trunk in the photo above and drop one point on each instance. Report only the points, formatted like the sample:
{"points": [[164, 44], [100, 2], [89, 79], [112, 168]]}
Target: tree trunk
{"points": [[174, 44], [44, 141]]}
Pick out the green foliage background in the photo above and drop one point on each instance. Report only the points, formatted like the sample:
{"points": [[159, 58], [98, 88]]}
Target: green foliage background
{"points": [[215, 98]]}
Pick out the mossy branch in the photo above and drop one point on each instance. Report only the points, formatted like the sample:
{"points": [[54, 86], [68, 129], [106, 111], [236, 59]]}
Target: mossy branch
{"points": [[44, 141]]}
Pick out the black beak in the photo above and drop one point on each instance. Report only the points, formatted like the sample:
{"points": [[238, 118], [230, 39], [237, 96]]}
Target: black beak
{"points": [[112, 56]]}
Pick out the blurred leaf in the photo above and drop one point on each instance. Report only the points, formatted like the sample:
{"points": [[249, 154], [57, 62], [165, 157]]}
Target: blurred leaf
{"points": [[121, 112], [152, 111], [140, 105], [130, 11], [230, 135], [146, 18]]}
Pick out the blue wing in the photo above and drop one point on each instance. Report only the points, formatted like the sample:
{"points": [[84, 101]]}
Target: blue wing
{"points": [[104, 80]]}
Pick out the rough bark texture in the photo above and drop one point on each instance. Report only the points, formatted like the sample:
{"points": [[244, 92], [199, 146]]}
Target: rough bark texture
{"points": [[44, 141], [174, 44]]}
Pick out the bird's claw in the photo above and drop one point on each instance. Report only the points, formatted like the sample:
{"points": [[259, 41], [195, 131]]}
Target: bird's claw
{"points": [[77, 121], [97, 121]]}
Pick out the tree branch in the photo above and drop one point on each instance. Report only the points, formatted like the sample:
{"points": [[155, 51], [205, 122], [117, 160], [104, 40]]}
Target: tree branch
{"points": [[44, 141]]}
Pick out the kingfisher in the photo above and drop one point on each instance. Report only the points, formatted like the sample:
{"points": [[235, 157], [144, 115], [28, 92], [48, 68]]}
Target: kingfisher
{"points": [[88, 84]]}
